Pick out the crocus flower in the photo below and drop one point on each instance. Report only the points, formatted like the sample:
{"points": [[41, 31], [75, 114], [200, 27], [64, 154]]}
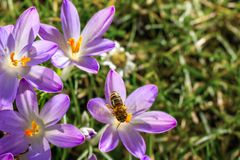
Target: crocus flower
{"points": [[7, 156], [29, 132], [20, 56], [126, 117], [77, 48]]}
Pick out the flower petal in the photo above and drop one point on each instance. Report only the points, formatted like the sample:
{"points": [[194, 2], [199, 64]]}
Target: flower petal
{"points": [[92, 157], [98, 109], [141, 99], [16, 144], [145, 157], [98, 47], [3, 39], [154, 122], [11, 43], [8, 107], [44, 79], [51, 33], [26, 99], [26, 28], [7, 156], [98, 24], [132, 140], [41, 51], [9, 28], [9, 85], [11, 122], [109, 140], [70, 20], [64, 135], [39, 150], [88, 64], [60, 60], [55, 109], [114, 83]]}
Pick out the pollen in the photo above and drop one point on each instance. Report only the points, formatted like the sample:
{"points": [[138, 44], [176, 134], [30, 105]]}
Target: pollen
{"points": [[24, 60], [128, 118], [34, 130], [75, 46]]}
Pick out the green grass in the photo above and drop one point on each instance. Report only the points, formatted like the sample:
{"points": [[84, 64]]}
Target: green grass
{"points": [[189, 49]]}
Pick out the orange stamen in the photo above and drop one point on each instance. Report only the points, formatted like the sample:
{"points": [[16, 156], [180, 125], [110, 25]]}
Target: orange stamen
{"points": [[75, 46], [34, 130], [25, 60], [15, 62]]}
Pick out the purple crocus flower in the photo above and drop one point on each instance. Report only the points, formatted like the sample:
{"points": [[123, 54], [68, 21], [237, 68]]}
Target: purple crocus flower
{"points": [[20, 56], [77, 48], [126, 117], [7, 156], [29, 132]]}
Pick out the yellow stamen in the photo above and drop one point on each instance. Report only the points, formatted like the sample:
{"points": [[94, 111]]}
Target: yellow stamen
{"points": [[75, 46], [24, 60], [14, 62], [129, 117], [34, 130]]}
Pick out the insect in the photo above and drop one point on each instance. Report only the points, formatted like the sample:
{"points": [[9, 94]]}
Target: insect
{"points": [[117, 107]]}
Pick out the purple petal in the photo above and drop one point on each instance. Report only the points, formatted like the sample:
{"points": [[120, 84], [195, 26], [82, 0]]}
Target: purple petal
{"points": [[15, 144], [64, 135], [141, 99], [98, 109], [109, 139], [114, 83], [9, 28], [44, 79], [8, 107], [154, 122], [145, 157], [8, 85], [88, 64], [11, 122], [11, 43], [55, 109], [88, 133], [98, 24], [3, 39], [7, 156], [51, 33], [26, 28], [60, 60], [26, 99], [92, 157], [98, 47], [39, 150], [41, 51], [132, 141], [70, 20]]}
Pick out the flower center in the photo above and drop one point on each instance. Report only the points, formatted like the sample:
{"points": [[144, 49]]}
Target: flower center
{"points": [[119, 59], [33, 131], [75, 46], [24, 60]]}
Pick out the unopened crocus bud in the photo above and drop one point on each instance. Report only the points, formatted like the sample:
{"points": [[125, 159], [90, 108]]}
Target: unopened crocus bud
{"points": [[85, 119], [92, 157], [89, 133]]}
